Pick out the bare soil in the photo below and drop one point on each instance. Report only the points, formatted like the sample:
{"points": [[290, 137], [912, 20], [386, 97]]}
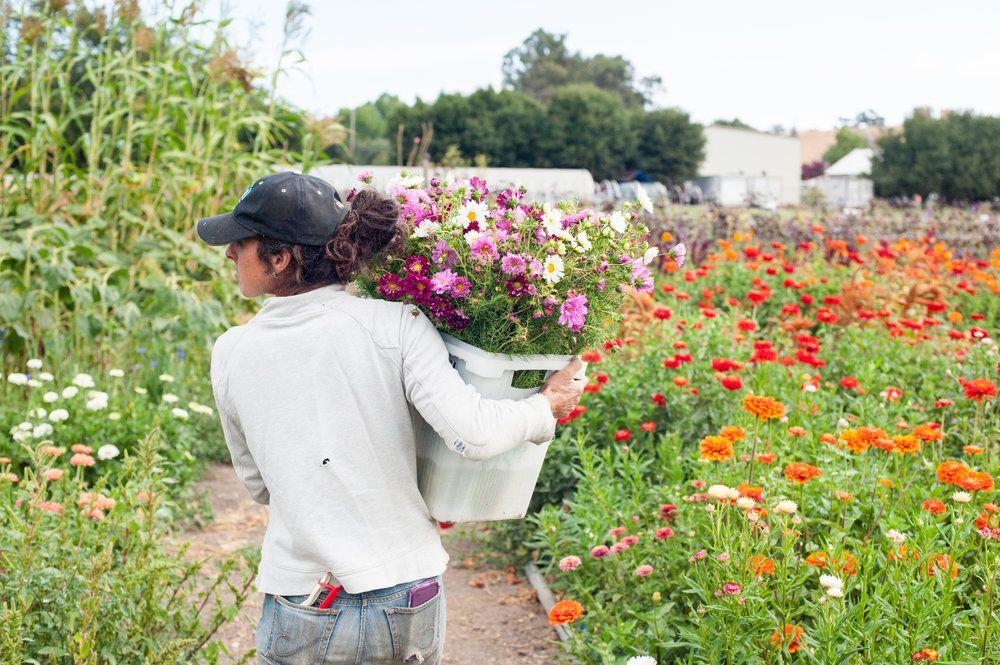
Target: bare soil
{"points": [[493, 616]]}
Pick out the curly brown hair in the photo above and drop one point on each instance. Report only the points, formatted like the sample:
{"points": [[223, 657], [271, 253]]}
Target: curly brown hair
{"points": [[368, 229]]}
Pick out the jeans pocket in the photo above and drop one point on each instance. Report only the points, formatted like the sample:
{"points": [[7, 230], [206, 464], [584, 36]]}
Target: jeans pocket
{"points": [[415, 631], [299, 634]]}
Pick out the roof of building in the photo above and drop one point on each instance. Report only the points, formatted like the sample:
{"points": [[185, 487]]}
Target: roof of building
{"points": [[857, 162]]}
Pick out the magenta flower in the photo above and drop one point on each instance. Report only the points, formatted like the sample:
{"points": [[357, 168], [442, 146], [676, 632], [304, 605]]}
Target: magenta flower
{"points": [[418, 265], [460, 287], [444, 255], [416, 286], [390, 287], [513, 264], [518, 286], [629, 541], [441, 282], [645, 570], [663, 533], [731, 588], [698, 556], [366, 176], [600, 551], [573, 312], [483, 249]]}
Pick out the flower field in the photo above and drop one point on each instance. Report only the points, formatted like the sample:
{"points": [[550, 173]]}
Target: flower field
{"points": [[789, 455]]}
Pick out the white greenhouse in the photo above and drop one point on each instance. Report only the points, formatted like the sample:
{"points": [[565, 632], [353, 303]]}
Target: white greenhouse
{"points": [[846, 183], [746, 167]]}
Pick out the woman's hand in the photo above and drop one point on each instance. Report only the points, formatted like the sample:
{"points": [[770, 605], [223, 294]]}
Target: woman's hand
{"points": [[563, 389]]}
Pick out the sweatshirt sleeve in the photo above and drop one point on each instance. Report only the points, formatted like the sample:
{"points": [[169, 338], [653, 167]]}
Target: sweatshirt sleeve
{"points": [[243, 462], [471, 425]]}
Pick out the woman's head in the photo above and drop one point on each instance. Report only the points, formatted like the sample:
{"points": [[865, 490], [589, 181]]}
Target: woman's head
{"points": [[269, 265]]}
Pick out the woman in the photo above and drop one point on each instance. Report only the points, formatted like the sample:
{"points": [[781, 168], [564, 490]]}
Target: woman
{"points": [[318, 396]]}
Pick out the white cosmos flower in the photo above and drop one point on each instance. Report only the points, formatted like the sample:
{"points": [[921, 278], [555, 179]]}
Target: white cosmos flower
{"points": [[42, 430], [961, 497], [170, 398], [34, 363], [618, 222], [116, 373], [17, 378], [650, 254], [424, 229], [786, 507], [166, 378], [552, 222], [179, 413], [552, 269], [37, 413], [582, 243], [84, 380], [46, 376], [107, 451], [50, 397], [70, 392], [473, 211], [643, 198]]}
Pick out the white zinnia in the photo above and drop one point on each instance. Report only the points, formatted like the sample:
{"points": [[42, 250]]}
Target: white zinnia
{"points": [[745, 502], [116, 373], [170, 398], [96, 404], [723, 492], [34, 363], [552, 269], [179, 413], [786, 507], [34, 383], [200, 408], [961, 497], [107, 451], [835, 592], [830, 581], [17, 378], [70, 391], [84, 380], [50, 397], [643, 198], [37, 413], [139, 390], [114, 415]]}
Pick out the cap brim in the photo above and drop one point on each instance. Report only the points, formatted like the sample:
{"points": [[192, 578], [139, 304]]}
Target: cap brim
{"points": [[222, 229]]}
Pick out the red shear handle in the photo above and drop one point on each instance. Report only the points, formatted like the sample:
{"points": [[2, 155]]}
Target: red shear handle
{"points": [[331, 596]]}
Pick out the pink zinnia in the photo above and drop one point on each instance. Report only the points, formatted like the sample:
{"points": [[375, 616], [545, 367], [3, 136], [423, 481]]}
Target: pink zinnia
{"points": [[50, 507], [616, 531], [732, 588], [698, 556], [53, 474], [664, 533], [600, 551], [629, 541], [645, 570], [81, 459], [618, 547], [568, 563]]}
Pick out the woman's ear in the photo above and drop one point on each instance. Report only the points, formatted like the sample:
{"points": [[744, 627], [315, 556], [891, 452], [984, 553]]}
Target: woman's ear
{"points": [[280, 261]]}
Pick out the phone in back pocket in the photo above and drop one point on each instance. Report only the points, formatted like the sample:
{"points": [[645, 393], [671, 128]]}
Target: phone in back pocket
{"points": [[421, 592]]}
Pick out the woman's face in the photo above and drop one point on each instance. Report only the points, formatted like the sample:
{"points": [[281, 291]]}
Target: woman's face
{"points": [[254, 276]]}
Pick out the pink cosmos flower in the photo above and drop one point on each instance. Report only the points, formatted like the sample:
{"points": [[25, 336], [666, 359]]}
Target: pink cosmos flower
{"points": [[460, 287], [441, 282], [645, 570], [513, 264], [600, 551], [573, 312], [483, 249], [568, 563]]}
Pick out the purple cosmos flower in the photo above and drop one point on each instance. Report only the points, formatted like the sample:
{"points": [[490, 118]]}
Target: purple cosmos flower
{"points": [[418, 265], [460, 287], [441, 282], [513, 264], [573, 312], [509, 198], [390, 287], [479, 189], [443, 255], [457, 320]]}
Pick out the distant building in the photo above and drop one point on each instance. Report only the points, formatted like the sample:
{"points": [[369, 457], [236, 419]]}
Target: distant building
{"points": [[846, 184], [746, 167]]}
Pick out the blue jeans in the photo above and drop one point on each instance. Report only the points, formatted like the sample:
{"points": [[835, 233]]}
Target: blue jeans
{"points": [[369, 627]]}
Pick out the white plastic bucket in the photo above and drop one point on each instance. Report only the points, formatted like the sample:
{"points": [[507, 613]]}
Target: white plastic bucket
{"points": [[462, 490]]}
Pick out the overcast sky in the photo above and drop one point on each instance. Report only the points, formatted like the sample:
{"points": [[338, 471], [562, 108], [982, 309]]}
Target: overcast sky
{"points": [[794, 63]]}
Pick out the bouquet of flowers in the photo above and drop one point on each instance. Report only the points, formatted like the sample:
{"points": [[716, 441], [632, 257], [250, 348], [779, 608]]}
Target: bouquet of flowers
{"points": [[509, 275]]}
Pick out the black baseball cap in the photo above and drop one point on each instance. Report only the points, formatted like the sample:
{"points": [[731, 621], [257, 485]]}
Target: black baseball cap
{"points": [[290, 206]]}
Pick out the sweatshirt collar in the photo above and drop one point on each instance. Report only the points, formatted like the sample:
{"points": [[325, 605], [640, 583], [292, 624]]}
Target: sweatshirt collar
{"points": [[279, 306]]}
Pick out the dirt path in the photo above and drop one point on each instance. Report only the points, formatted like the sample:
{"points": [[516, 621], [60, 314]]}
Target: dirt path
{"points": [[493, 616]]}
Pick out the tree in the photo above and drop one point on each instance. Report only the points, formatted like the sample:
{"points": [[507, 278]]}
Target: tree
{"points": [[735, 122], [846, 141], [957, 157], [669, 146], [587, 128], [543, 63]]}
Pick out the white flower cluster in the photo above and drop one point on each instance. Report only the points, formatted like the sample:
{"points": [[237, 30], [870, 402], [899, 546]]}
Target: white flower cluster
{"points": [[834, 585]]}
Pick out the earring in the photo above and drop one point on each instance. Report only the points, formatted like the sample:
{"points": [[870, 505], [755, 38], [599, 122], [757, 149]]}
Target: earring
{"points": [[275, 275]]}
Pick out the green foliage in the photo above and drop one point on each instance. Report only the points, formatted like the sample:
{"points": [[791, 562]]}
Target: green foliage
{"points": [[846, 141], [89, 574], [735, 122], [668, 145], [957, 157]]}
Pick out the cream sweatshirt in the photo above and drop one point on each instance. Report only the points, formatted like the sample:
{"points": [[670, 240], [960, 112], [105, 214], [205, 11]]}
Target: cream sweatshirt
{"points": [[318, 396]]}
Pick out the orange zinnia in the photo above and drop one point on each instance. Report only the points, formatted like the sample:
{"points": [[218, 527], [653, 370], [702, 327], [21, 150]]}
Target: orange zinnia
{"points": [[941, 562], [565, 611], [951, 471], [716, 448], [760, 565], [754, 492], [927, 433], [800, 472], [976, 481], [763, 407], [979, 389], [733, 433], [791, 639], [861, 439], [934, 507], [906, 444]]}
